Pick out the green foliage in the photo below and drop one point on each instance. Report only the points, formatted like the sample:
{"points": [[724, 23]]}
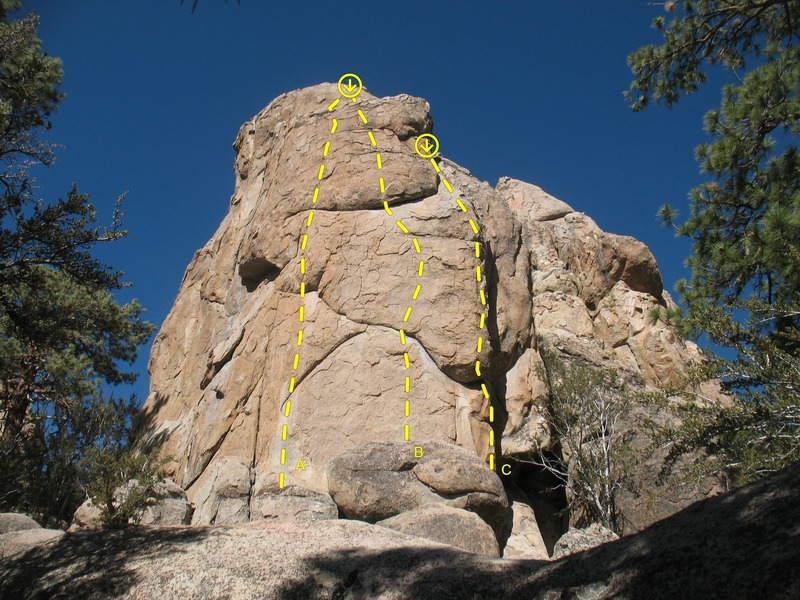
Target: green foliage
{"points": [[758, 432], [586, 408], [63, 336], [120, 481], [744, 222]]}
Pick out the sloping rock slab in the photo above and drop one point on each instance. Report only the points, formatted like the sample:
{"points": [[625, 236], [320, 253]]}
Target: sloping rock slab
{"points": [[380, 480], [16, 542], [16, 522], [447, 525], [744, 544]]}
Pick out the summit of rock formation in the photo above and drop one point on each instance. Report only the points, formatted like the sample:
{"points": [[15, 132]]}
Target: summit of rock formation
{"points": [[365, 289]]}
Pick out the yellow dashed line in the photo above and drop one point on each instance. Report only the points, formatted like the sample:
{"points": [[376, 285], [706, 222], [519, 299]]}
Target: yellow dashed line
{"points": [[362, 117], [316, 195], [303, 266], [406, 432], [283, 456], [310, 218], [474, 227], [372, 139], [299, 337], [326, 148], [333, 104], [403, 337], [296, 360], [480, 343], [416, 246], [378, 160], [408, 314], [284, 431], [478, 272], [281, 480], [302, 289], [416, 291], [477, 249], [304, 242], [302, 313], [447, 185], [291, 385], [485, 391], [288, 408], [402, 227], [407, 408], [405, 359], [483, 298], [491, 414], [483, 320], [382, 185], [478, 368], [435, 165], [491, 462], [334, 126], [408, 383], [386, 208], [461, 205], [321, 171], [421, 268], [491, 437]]}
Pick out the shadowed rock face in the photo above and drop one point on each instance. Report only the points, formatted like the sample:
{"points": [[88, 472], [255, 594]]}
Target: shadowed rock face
{"points": [[743, 544], [222, 364]]}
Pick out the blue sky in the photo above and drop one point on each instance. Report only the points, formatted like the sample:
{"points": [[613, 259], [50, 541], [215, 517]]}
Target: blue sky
{"points": [[530, 89]]}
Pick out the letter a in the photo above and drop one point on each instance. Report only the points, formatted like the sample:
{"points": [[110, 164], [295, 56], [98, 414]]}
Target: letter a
{"points": [[300, 466]]}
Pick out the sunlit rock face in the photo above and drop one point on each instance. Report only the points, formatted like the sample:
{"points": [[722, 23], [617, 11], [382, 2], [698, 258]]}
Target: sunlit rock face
{"points": [[288, 321]]}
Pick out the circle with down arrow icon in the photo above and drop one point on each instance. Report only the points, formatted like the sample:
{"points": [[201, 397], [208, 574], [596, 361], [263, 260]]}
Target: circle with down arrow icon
{"points": [[426, 145], [350, 85]]}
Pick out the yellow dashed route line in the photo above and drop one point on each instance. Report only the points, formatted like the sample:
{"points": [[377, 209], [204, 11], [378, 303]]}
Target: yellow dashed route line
{"points": [[427, 146], [301, 313], [348, 90], [420, 269]]}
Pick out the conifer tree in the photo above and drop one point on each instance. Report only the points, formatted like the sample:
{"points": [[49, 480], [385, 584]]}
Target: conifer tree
{"points": [[63, 336], [744, 221]]}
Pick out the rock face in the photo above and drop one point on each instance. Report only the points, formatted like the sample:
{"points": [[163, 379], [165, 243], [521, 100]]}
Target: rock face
{"points": [[578, 540], [380, 480], [447, 525], [357, 292], [744, 544], [16, 522]]}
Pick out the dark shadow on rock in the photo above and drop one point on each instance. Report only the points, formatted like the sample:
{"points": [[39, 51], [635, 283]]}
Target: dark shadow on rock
{"points": [[145, 421], [90, 564], [745, 544]]}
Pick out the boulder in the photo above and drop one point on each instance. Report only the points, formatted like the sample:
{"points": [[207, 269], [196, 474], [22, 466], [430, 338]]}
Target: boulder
{"points": [[447, 525], [18, 541], [291, 503], [167, 505], [380, 480], [16, 522], [579, 540], [742, 544], [86, 516]]}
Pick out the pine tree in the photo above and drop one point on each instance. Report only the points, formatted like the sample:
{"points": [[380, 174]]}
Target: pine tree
{"points": [[744, 289], [63, 336]]}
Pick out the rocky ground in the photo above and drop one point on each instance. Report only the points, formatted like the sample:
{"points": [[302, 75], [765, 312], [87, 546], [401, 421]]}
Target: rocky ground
{"points": [[743, 544]]}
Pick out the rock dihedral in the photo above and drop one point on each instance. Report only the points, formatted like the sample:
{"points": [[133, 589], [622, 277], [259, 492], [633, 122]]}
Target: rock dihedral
{"points": [[222, 362]]}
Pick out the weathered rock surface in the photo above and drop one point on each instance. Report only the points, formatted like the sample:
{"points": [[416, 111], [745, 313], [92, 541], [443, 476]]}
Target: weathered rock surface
{"points": [[16, 522], [743, 544], [380, 480], [168, 505], [447, 525], [86, 516], [282, 351], [586, 538], [525, 540], [291, 503], [19, 541]]}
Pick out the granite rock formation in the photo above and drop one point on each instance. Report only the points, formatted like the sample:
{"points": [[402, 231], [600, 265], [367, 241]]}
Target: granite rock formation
{"points": [[313, 315]]}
